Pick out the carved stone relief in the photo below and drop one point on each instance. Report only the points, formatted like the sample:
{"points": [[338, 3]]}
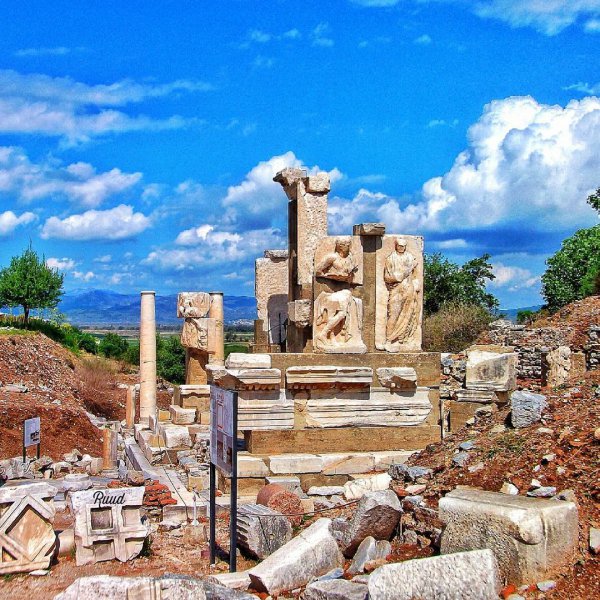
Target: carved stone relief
{"points": [[199, 334], [337, 324], [340, 258], [399, 280], [192, 304]]}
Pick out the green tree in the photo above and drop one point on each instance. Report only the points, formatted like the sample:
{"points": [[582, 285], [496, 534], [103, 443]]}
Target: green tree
{"points": [[574, 271], [446, 282], [28, 282], [594, 200], [170, 359], [113, 346]]}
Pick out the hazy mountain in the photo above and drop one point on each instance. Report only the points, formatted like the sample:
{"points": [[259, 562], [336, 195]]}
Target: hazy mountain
{"points": [[511, 313], [103, 307]]}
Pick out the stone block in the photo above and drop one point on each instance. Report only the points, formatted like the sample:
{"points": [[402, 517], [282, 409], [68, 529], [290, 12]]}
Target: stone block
{"points": [[193, 305], [242, 360], [74, 482], [288, 482], [526, 408], [251, 466], [108, 524], [271, 275], [182, 416], [300, 313], [200, 334], [403, 378], [337, 589], [383, 460], [357, 488], [369, 229], [261, 530], [326, 376], [265, 410], [464, 575], [369, 549], [531, 538], [312, 553], [491, 370], [247, 378], [27, 537], [377, 515], [198, 480], [295, 463], [477, 396], [345, 464], [176, 436]]}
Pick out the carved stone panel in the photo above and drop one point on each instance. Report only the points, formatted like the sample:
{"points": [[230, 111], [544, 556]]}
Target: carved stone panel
{"points": [[340, 258], [399, 283], [108, 524], [199, 334], [337, 323], [27, 537], [192, 304]]}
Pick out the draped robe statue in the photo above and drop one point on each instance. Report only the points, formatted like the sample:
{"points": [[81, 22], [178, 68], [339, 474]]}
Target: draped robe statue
{"points": [[403, 298]]}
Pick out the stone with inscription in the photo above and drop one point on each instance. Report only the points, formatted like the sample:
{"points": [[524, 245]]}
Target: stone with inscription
{"points": [[337, 323], [340, 259], [108, 524], [399, 289], [27, 537], [193, 305], [199, 334]]}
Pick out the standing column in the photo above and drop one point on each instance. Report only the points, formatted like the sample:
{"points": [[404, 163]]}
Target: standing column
{"points": [[216, 312], [130, 407], [147, 357]]}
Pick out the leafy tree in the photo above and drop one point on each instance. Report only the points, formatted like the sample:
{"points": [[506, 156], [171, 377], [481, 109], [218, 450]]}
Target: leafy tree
{"points": [[446, 282], [88, 343], [170, 359], [113, 346], [594, 200], [574, 271], [526, 316], [28, 282]]}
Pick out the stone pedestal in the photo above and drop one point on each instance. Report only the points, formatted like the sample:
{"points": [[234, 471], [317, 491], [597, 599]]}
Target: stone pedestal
{"points": [[147, 356]]}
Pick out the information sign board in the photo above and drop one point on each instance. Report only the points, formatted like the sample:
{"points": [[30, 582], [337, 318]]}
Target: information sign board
{"points": [[31, 432], [223, 428]]}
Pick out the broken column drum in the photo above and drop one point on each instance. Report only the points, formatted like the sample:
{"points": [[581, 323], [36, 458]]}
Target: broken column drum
{"points": [[147, 356]]}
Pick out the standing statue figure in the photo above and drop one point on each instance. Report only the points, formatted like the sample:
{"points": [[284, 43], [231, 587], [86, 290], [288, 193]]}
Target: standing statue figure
{"points": [[403, 300], [339, 264]]}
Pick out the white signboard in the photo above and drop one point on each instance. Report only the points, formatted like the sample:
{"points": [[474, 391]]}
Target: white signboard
{"points": [[31, 434], [223, 424]]}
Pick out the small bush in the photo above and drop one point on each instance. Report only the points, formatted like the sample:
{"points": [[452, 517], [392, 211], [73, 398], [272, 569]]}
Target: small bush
{"points": [[113, 346], [88, 343], [170, 359], [454, 327]]}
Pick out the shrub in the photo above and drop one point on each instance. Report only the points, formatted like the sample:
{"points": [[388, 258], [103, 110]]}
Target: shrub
{"points": [[88, 343], [454, 327], [170, 359], [113, 346]]}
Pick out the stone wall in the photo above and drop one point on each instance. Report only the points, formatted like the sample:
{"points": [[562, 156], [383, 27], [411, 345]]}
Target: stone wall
{"points": [[592, 348]]}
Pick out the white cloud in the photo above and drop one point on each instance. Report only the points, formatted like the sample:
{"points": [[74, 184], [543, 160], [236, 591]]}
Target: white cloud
{"points": [[592, 26], [78, 182], [376, 3], [547, 16], [60, 106], [62, 264], [84, 276], [320, 35], [441, 123], [54, 51], [423, 40], [516, 278], [114, 224], [292, 34], [9, 221], [528, 165], [261, 37], [584, 88], [453, 244], [263, 62], [106, 258]]}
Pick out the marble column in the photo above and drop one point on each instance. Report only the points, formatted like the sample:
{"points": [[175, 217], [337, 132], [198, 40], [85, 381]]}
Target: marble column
{"points": [[216, 312], [147, 357], [109, 448], [130, 407]]}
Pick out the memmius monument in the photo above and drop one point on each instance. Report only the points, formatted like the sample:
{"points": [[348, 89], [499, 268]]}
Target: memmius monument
{"points": [[336, 384]]}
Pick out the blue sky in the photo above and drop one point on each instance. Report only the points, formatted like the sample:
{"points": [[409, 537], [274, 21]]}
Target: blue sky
{"points": [[138, 140]]}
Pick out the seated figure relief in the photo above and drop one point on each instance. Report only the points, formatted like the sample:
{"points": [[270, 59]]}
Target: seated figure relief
{"points": [[339, 265]]}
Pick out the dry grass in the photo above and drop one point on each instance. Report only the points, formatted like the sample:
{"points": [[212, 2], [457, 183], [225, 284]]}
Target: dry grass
{"points": [[99, 392], [454, 327]]}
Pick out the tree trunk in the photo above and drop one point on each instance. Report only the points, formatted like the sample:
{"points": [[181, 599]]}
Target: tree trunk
{"points": [[26, 315]]}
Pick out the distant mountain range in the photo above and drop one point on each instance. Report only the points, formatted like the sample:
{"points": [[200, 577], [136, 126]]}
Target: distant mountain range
{"points": [[103, 307], [511, 313]]}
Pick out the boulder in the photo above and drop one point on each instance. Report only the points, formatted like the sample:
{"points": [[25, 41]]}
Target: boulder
{"points": [[335, 590], [311, 554], [261, 530], [531, 538], [377, 516], [369, 549], [402, 472], [464, 576], [353, 490], [526, 408]]}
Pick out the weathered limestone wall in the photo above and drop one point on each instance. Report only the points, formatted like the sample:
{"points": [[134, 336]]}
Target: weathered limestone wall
{"points": [[271, 286]]}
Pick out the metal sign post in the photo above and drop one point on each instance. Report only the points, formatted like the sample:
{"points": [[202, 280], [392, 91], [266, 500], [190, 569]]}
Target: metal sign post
{"points": [[31, 436], [223, 455]]}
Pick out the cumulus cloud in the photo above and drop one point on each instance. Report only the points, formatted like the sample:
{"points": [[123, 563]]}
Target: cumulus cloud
{"points": [[320, 35], [423, 40], [84, 275], [528, 166], [116, 223], [9, 221], [62, 264], [60, 106], [515, 278], [78, 182]]}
